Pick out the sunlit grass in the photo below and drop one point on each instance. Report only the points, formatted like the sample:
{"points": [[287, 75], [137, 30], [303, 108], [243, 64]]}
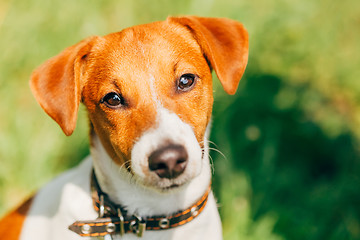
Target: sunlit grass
{"points": [[312, 45]]}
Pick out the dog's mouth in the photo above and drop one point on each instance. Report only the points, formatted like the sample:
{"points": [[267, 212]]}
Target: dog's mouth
{"points": [[173, 186], [165, 185]]}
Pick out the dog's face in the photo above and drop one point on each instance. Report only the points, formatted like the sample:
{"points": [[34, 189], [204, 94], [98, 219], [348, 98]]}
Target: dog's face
{"points": [[145, 92], [148, 92]]}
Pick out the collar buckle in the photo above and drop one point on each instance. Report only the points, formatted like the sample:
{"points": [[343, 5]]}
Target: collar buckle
{"points": [[110, 227], [138, 225]]}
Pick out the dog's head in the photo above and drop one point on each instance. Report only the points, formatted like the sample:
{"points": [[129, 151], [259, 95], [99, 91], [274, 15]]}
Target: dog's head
{"points": [[148, 92]]}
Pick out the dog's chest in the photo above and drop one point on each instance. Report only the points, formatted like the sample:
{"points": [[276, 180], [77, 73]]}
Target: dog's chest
{"points": [[67, 199]]}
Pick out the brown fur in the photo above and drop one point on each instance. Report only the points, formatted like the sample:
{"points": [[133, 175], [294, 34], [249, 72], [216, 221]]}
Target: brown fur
{"points": [[163, 51], [12, 223], [92, 68]]}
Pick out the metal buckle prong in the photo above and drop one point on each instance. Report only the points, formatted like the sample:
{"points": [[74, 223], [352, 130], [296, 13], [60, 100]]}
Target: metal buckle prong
{"points": [[102, 206], [102, 213], [121, 217]]}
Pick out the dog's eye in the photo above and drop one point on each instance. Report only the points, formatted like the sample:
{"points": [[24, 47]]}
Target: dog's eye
{"points": [[186, 82], [113, 100]]}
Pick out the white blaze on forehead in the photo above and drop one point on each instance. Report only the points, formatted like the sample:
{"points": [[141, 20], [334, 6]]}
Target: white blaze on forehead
{"points": [[153, 92], [167, 129]]}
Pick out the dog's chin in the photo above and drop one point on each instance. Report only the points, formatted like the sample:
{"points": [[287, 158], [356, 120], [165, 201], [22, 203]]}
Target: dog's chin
{"points": [[165, 185]]}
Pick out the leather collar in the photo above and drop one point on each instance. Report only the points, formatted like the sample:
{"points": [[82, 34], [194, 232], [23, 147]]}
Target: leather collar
{"points": [[113, 218]]}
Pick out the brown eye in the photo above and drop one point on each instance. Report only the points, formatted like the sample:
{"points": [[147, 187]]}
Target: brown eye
{"points": [[186, 82], [113, 100]]}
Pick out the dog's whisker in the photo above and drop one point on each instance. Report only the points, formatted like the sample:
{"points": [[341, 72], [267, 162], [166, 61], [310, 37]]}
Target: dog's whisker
{"points": [[218, 151], [212, 164], [208, 142], [125, 164], [212, 143]]}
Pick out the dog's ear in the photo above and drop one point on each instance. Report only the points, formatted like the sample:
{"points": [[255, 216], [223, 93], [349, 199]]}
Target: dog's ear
{"points": [[224, 43], [56, 84]]}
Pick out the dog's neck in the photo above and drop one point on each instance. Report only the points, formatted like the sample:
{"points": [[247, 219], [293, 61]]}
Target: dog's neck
{"points": [[124, 189]]}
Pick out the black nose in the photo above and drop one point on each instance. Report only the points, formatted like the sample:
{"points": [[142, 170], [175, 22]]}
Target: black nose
{"points": [[169, 161]]}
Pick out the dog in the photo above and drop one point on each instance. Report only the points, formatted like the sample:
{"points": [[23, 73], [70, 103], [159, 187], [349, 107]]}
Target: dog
{"points": [[148, 94]]}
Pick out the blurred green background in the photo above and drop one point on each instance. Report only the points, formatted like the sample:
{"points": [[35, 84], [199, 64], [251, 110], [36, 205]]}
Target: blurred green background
{"points": [[290, 135]]}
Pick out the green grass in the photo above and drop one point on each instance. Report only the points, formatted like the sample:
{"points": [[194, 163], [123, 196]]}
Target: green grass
{"points": [[290, 134]]}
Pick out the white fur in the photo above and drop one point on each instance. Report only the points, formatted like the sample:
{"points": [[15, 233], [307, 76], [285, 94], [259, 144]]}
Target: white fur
{"points": [[146, 197], [170, 130], [67, 198], [58, 204]]}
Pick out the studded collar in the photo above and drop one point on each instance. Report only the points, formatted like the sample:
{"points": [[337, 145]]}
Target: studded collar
{"points": [[113, 218]]}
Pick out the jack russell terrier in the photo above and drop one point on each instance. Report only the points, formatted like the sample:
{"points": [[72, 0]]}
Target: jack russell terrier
{"points": [[148, 93]]}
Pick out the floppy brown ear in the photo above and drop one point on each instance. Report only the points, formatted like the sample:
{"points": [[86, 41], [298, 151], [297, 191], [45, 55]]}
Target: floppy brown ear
{"points": [[225, 45], [56, 84]]}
